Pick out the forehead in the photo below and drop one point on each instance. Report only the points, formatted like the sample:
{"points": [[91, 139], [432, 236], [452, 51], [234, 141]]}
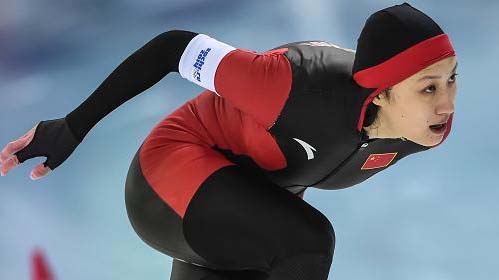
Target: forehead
{"points": [[439, 68], [444, 65]]}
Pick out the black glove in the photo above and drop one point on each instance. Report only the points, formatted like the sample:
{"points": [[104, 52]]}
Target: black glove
{"points": [[52, 139], [49, 138]]}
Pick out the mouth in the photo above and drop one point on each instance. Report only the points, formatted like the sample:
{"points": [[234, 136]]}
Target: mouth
{"points": [[438, 128]]}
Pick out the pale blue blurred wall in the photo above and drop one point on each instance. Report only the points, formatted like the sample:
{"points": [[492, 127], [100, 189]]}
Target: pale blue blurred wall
{"points": [[431, 216]]}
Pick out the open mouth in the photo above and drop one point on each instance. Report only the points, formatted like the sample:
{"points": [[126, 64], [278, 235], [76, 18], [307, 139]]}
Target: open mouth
{"points": [[438, 128]]}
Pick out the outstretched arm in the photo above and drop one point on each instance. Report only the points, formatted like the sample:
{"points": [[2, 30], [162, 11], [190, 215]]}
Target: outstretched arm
{"points": [[141, 70], [57, 139]]}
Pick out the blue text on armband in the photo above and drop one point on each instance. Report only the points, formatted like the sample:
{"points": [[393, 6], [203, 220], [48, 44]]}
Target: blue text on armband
{"points": [[199, 64]]}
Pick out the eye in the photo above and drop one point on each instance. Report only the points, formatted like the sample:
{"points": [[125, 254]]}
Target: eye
{"points": [[453, 80]]}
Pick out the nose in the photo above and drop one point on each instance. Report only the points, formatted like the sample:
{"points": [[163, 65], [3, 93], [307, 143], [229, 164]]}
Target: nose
{"points": [[446, 103]]}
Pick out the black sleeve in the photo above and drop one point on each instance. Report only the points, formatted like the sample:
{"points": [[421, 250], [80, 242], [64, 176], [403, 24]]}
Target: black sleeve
{"points": [[144, 68]]}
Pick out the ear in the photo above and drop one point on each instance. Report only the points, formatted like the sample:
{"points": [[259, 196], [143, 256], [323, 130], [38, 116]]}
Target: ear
{"points": [[378, 99]]}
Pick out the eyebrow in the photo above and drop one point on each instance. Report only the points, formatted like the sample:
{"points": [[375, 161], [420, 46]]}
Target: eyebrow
{"points": [[435, 77]]}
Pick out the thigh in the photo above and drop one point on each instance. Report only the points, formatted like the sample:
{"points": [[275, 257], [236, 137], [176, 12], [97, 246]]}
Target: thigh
{"points": [[238, 219], [160, 182]]}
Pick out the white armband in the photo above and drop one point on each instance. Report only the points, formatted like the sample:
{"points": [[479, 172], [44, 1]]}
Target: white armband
{"points": [[200, 60]]}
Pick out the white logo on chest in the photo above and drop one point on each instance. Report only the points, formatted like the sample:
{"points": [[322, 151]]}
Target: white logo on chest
{"points": [[308, 148]]}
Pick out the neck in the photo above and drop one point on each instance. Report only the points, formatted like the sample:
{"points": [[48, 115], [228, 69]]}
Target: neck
{"points": [[374, 132]]}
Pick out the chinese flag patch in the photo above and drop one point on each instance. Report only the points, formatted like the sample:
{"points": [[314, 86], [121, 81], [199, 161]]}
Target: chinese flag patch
{"points": [[378, 160]]}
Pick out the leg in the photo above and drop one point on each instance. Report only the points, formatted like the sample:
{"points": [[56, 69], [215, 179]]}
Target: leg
{"points": [[160, 227], [238, 219]]}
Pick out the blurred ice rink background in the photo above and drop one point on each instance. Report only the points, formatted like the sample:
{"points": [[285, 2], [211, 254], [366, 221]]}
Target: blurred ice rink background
{"points": [[432, 216]]}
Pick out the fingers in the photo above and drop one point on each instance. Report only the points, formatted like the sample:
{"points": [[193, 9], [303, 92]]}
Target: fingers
{"points": [[16, 145], [39, 171], [8, 165], [7, 158]]}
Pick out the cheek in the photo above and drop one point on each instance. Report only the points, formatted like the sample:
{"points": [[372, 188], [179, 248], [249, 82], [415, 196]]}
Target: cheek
{"points": [[412, 115]]}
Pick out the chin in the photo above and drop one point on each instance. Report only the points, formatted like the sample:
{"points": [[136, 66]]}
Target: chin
{"points": [[428, 142]]}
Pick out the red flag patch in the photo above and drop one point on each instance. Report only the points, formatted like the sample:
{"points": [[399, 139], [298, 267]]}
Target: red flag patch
{"points": [[378, 160]]}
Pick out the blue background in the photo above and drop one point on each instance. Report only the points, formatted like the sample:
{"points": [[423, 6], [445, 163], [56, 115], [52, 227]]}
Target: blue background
{"points": [[431, 216]]}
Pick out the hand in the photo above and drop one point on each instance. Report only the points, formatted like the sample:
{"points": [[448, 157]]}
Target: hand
{"points": [[8, 160], [50, 138]]}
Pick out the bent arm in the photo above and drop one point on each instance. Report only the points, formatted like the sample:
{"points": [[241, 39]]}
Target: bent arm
{"points": [[141, 70], [256, 83]]}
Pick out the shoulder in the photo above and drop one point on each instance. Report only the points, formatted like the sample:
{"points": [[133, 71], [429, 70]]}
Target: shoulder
{"points": [[316, 63]]}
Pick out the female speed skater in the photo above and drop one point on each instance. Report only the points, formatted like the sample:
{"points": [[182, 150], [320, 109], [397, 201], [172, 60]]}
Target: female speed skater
{"points": [[218, 184]]}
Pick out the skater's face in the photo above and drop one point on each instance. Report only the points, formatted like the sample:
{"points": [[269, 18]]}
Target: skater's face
{"points": [[418, 102]]}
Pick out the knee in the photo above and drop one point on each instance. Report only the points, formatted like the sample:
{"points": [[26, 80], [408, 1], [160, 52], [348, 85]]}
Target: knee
{"points": [[309, 255], [321, 238], [314, 233]]}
